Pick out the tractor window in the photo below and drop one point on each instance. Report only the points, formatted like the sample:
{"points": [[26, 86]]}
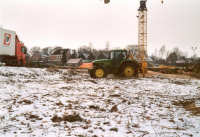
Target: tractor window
{"points": [[118, 55], [112, 55], [124, 55]]}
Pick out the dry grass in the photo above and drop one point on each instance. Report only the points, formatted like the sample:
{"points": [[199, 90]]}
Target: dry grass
{"points": [[27, 102], [70, 118], [194, 74], [53, 69], [114, 129], [189, 105], [114, 109]]}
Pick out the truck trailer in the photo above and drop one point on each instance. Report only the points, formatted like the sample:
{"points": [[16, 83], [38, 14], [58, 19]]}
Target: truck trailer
{"points": [[12, 50]]}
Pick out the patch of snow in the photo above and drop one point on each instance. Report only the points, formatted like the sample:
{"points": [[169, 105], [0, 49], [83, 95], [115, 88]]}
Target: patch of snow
{"points": [[109, 107]]}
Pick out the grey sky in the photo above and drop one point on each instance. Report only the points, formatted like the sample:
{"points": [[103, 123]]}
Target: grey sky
{"points": [[73, 23]]}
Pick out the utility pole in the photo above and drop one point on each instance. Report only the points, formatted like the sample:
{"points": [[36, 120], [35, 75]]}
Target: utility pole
{"points": [[194, 48]]}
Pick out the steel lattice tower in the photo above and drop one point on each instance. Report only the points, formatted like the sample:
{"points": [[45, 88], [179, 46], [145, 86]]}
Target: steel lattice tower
{"points": [[142, 34]]}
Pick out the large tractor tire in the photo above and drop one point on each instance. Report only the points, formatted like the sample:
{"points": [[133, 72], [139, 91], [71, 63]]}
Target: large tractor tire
{"points": [[100, 72], [129, 70]]}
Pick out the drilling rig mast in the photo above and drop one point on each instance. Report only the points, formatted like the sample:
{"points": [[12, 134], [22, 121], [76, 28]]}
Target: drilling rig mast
{"points": [[142, 36]]}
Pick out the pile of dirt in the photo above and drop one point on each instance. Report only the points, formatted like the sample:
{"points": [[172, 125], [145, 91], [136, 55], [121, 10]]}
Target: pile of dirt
{"points": [[189, 105], [70, 118], [194, 71], [195, 68], [26, 102]]}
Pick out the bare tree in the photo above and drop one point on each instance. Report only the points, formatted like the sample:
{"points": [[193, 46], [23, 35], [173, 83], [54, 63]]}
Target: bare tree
{"points": [[162, 51], [34, 50], [83, 49], [95, 52], [107, 46], [185, 54], [195, 57], [168, 53], [90, 46], [55, 48], [154, 55], [47, 50], [177, 52]]}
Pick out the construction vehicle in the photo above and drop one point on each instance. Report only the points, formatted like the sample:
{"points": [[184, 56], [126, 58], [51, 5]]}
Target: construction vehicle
{"points": [[12, 50], [119, 63], [124, 66]]}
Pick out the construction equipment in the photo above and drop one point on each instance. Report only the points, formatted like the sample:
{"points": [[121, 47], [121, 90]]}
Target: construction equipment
{"points": [[142, 36], [120, 63], [123, 65]]}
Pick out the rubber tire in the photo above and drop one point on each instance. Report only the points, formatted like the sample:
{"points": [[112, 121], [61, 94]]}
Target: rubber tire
{"points": [[20, 63], [92, 74], [3, 60], [104, 72], [129, 64]]}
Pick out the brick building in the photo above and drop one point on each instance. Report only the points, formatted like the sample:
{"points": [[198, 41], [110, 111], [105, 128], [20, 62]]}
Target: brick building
{"points": [[39, 57], [57, 55]]}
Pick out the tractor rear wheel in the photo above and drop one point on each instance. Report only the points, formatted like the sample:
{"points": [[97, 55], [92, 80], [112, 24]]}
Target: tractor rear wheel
{"points": [[129, 70], [100, 72]]}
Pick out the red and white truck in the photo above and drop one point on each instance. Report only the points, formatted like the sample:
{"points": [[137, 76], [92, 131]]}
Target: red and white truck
{"points": [[12, 50]]}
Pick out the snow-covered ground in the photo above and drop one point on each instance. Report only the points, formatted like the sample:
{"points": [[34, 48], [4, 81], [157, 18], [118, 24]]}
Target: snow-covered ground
{"points": [[35, 102]]}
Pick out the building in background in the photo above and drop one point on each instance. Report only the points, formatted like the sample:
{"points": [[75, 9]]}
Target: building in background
{"points": [[58, 54], [41, 57], [75, 62]]}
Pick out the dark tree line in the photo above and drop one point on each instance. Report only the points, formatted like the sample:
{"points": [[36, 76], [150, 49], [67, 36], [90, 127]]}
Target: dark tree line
{"points": [[163, 53], [158, 54], [82, 49], [47, 50]]}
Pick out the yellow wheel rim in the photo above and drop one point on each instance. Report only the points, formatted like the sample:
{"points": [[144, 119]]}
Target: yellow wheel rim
{"points": [[128, 71], [99, 73]]}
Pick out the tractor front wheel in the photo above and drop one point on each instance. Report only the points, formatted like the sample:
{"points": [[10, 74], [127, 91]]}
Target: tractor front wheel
{"points": [[100, 72]]}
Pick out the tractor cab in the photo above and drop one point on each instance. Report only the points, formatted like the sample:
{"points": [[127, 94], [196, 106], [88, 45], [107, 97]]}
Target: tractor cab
{"points": [[117, 56]]}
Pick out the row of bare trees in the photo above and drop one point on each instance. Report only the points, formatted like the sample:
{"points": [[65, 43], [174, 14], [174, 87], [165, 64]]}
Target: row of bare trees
{"points": [[163, 53], [158, 54], [47, 50], [82, 49]]}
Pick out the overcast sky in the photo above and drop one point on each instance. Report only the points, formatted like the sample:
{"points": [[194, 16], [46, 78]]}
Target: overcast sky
{"points": [[73, 23]]}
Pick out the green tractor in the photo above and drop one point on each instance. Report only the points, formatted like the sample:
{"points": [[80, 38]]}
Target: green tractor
{"points": [[120, 63]]}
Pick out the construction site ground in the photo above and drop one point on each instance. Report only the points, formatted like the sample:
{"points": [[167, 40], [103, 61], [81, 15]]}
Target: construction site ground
{"points": [[185, 75], [58, 103]]}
